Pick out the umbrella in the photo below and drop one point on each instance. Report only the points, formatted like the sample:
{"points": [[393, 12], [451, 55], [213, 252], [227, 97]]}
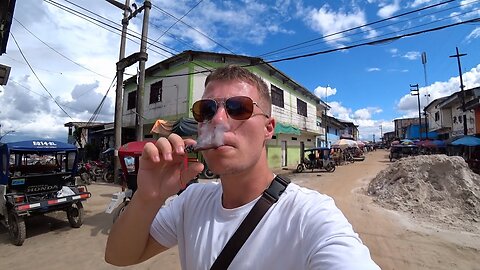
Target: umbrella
{"points": [[360, 143], [344, 143], [467, 141], [407, 142]]}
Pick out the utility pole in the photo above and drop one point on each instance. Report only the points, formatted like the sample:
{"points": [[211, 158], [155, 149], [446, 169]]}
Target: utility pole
{"points": [[147, 5], [458, 55], [381, 133], [326, 126], [427, 95], [414, 91], [117, 122]]}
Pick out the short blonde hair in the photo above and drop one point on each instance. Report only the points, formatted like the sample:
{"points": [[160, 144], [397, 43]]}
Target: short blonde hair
{"points": [[233, 72]]}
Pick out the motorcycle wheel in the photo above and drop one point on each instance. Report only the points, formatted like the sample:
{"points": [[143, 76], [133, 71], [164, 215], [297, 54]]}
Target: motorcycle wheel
{"points": [[75, 215], [16, 229], [330, 167], [108, 176], [207, 173], [300, 168]]}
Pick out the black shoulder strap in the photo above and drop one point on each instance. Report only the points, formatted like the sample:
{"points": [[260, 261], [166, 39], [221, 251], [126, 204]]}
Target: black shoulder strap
{"points": [[269, 197]]}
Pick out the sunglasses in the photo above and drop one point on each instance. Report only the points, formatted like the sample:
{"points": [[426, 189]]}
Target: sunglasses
{"points": [[238, 108]]}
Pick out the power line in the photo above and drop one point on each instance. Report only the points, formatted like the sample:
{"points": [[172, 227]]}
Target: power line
{"points": [[358, 27], [40, 95], [53, 49], [100, 24], [374, 42], [292, 48], [416, 26], [34, 73], [193, 28], [178, 20]]}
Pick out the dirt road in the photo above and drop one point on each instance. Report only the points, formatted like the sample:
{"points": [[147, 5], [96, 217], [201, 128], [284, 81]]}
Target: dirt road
{"points": [[394, 241]]}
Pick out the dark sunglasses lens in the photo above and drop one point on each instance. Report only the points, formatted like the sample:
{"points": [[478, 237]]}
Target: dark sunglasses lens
{"points": [[239, 108], [204, 110]]}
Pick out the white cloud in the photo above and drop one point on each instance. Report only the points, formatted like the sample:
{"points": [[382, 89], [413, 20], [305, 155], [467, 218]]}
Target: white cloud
{"points": [[412, 55], [373, 69], [323, 92], [388, 10], [366, 113], [337, 110], [394, 52], [409, 104], [474, 34], [327, 21], [417, 3]]}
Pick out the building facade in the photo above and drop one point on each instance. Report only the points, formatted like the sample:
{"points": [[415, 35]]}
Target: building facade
{"points": [[173, 85]]}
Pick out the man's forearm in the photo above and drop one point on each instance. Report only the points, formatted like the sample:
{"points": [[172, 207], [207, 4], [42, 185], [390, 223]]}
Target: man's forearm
{"points": [[129, 235]]}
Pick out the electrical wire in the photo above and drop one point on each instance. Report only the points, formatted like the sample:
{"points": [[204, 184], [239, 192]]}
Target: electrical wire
{"points": [[366, 31], [359, 27], [36, 76], [376, 42], [193, 28], [414, 27], [105, 25], [178, 20], [59, 53], [129, 32]]}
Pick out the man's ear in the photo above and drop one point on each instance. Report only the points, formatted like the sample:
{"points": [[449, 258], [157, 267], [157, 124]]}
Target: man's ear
{"points": [[269, 128]]}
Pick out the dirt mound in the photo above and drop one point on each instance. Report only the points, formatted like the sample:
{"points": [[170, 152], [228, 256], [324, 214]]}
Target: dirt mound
{"points": [[437, 188]]}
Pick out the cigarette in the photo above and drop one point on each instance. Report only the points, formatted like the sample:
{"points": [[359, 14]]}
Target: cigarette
{"points": [[193, 148]]}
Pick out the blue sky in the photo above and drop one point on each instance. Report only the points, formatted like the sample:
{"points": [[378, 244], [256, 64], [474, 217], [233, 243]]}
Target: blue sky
{"points": [[368, 85]]}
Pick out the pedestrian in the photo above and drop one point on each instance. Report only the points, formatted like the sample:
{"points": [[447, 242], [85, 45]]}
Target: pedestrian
{"points": [[302, 230]]}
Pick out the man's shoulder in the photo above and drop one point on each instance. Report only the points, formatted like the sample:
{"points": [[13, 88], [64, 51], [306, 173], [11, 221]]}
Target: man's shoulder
{"points": [[303, 199]]}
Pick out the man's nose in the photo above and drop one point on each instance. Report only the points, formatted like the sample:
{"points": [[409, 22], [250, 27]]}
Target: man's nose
{"points": [[220, 115]]}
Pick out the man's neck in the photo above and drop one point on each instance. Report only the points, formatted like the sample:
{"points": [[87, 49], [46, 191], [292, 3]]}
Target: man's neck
{"points": [[242, 188]]}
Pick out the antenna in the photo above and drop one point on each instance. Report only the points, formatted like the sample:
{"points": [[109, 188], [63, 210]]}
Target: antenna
{"points": [[424, 63]]}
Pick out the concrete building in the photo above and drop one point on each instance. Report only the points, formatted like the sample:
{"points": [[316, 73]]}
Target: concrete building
{"points": [[452, 112], [173, 85]]}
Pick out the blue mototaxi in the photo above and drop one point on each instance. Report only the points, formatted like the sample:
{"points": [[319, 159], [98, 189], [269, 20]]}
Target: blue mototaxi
{"points": [[38, 177]]}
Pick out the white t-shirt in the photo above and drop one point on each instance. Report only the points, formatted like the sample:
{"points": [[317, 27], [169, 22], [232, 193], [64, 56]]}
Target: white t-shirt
{"points": [[303, 230]]}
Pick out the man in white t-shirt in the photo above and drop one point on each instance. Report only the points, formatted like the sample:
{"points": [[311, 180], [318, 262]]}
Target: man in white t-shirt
{"points": [[302, 230]]}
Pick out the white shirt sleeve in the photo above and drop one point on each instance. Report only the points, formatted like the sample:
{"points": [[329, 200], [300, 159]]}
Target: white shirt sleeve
{"points": [[164, 227], [333, 243]]}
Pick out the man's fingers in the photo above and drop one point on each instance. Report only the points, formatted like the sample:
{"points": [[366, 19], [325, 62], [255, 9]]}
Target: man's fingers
{"points": [[177, 144], [164, 148], [150, 153]]}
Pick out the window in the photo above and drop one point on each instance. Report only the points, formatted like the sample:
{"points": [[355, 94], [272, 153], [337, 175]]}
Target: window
{"points": [[156, 92], [437, 116], [454, 119], [301, 107], [277, 96], [132, 100]]}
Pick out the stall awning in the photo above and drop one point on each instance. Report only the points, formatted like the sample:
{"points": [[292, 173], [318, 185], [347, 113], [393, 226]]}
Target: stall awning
{"points": [[281, 128]]}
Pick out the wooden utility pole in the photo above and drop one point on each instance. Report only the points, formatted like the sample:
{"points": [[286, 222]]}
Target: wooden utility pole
{"points": [[414, 91], [117, 122], [141, 76], [458, 55]]}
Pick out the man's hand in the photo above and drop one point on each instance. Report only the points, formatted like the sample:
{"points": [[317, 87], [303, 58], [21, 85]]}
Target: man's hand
{"points": [[163, 170]]}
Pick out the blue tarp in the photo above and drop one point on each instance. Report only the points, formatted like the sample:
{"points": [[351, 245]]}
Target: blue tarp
{"points": [[467, 141]]}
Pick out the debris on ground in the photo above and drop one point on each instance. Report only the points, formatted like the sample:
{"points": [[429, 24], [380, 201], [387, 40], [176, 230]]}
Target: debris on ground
{"points": [[438, 189]]}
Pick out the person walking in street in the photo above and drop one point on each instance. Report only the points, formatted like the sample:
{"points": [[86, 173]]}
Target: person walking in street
{"points": [[302, 230]]}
